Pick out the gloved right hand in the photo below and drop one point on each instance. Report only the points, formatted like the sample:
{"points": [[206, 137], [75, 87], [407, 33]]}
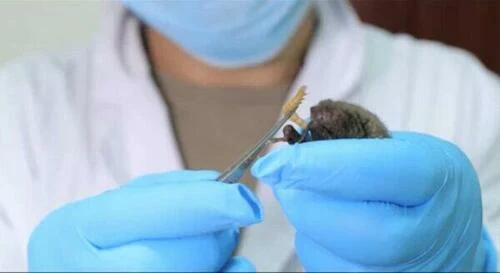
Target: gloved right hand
{"points": [[178, 221], [411, 202]]}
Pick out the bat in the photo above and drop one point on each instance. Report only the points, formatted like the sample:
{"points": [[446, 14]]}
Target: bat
{"points": [[331, 119]]}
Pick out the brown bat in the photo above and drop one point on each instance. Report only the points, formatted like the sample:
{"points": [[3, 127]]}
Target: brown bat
{"points": [[334, 120]]}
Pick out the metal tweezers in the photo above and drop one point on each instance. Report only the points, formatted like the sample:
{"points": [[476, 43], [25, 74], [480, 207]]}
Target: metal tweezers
{"points": [[234, 173]]}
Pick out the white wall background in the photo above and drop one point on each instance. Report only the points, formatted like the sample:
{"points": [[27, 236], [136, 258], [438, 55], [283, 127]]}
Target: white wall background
{"points": [[45, 25]]}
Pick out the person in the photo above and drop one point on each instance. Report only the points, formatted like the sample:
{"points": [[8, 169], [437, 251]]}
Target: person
{"points": [[110, 150]]}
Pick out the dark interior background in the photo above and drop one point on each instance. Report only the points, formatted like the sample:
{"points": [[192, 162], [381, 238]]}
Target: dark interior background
{"points": [[470, 24]]}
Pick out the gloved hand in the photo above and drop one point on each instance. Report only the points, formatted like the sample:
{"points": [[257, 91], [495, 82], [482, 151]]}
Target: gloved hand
{"points": [[409, 203], [178, 221]]}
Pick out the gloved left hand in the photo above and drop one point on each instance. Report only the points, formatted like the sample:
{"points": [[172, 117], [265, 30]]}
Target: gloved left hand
{"points": [[408, 203], [171, 222]]}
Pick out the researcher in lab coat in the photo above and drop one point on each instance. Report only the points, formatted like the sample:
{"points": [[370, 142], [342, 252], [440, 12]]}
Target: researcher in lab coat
{"points": [[94, 141]]}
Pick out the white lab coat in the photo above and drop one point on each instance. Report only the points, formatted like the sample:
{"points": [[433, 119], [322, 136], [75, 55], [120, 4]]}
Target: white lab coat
{"points": [[78, 123]]}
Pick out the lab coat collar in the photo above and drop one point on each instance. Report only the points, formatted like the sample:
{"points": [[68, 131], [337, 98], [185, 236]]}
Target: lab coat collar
{"points": [[333, 65], [125, 89]]}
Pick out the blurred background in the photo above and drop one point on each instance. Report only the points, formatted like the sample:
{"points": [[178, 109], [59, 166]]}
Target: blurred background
{"points": [[45, 25], [50, 25], [470, 24]]}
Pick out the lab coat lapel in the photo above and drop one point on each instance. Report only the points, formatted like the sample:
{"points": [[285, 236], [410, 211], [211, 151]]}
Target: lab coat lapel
{"points": [[333, 65], [129, 107]]}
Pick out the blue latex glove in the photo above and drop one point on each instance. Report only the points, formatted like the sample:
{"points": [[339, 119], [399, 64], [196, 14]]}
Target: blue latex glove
{"points": [[409, 203], [178, 221]]}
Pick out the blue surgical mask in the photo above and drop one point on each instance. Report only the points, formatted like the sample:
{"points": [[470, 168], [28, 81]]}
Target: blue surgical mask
{"points": [[225, 34]]}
